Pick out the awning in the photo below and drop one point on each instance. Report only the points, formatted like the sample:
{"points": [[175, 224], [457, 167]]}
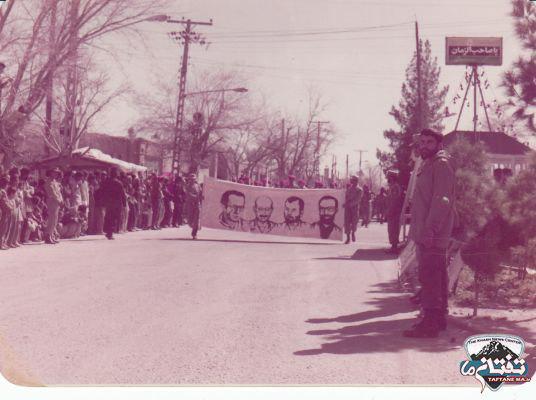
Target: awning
{"points": [[86, 157]]}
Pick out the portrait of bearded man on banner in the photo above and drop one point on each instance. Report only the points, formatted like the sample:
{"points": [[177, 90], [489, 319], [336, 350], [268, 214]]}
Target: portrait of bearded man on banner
{"points": [[263, 209], [293, 213], [328, 206], [233, 203]]}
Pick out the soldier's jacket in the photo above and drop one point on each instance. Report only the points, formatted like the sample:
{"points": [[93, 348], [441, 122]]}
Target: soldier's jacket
{"points": [[53, 192], [432, 211]]}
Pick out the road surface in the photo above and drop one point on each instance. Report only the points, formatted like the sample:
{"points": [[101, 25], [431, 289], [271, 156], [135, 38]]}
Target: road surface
{"points": [[154, 307]]}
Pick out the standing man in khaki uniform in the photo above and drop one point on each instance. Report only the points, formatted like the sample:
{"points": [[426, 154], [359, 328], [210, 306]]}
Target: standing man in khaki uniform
{"points": [[432, 220], [54, 202]]}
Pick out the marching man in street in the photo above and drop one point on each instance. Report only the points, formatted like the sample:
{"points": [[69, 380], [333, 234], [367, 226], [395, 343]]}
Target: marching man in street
{"points": [[192, 203], [432, 220], [352, 201]]}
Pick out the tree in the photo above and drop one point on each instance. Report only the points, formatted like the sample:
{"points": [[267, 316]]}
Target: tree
{"points": [[520, 210], [493, 220], [223, 112], [407, 115], [246, 150], [520, 80], [73, 117], [33, 56], [296, 142], [213, 114], [478, 200]]}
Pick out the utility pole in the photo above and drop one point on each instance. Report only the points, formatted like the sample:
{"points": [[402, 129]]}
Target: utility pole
{"points": [[185, 37], [316, 161], [360, 156], [419, 98], [347, 166]]}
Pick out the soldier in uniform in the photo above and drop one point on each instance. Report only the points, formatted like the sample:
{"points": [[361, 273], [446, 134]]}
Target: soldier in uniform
{"points": [[114, 199], [394, 202], [352, 201], [54, 202], [192, 203], [432, 221]]}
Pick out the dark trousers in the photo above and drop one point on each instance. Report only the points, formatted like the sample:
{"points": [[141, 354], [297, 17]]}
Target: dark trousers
{"points": [[393, 229], [168, 213], [156, 212], [433, 277], [111, 220], [193, 219], [177, 213], [132, 216]]}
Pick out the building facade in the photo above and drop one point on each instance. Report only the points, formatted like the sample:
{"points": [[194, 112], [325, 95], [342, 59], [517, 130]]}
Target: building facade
{"points": [[504, 152]]}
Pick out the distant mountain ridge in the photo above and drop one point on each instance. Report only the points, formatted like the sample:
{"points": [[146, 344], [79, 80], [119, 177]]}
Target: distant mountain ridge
{"points": [[494, 350]]}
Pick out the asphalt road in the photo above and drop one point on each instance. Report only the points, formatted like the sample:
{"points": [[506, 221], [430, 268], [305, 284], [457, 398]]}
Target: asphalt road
{"points": [[155, 307]]}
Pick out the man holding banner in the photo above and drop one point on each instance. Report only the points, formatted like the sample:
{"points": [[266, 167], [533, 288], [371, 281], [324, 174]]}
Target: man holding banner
{"points": [[192, 203]]}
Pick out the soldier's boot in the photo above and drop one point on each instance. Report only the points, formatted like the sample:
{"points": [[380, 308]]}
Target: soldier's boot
{"points": [[428, 327], [416, 298], [353, 236], [347, 238]]}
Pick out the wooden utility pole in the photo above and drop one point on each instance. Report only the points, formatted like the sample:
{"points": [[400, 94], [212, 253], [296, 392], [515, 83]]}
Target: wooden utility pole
{"points": [[360, 157], [185, 37], [419, 97], [316, 161]]}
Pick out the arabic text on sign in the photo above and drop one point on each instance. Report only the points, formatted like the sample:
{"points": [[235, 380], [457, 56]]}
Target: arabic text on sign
{"points": [[474, 51]]}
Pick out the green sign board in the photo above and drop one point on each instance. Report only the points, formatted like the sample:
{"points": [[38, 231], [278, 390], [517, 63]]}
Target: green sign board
{"points": [[473, 50]]}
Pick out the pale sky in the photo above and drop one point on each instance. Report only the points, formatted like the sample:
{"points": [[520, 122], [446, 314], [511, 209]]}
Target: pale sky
{"points": [[354, 52]]}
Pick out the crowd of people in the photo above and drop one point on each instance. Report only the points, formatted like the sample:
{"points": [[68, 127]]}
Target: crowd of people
{"points": [[73, 203], [68, 204]]}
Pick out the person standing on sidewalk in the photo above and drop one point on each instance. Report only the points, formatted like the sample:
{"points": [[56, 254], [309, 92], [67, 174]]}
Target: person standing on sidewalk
{"points": [[364, 208], [432, 221], [114, 199], [394, 203], [192, 203], [54, 202], [352, 201], [178, 201]]}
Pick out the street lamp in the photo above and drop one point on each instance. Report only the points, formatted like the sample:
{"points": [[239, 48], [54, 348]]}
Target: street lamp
{"points": [[237, 90], [222, 91], [158, 18]]}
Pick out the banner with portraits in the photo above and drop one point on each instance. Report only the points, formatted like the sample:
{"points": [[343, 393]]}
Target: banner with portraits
{"points": [[309, 213]]}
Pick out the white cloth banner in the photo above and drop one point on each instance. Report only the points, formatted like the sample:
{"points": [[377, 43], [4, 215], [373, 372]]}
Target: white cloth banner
{"points": [[311, 213]]}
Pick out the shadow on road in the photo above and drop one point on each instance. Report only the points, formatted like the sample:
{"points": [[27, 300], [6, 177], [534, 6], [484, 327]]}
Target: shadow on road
{"points": [[249, 241], [364, 255], [361, 335], [373, 255]]}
